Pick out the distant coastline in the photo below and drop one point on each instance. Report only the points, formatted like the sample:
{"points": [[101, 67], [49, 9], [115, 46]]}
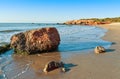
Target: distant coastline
{"points": [[93, 21]]}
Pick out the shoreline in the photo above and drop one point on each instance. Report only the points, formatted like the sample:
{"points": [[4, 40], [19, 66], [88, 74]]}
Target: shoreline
{"points": [[99, 66], [112, 35], [82, 65]]}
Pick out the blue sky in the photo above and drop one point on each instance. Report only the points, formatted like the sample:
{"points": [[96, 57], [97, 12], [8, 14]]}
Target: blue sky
{"points": [[56, 10]]}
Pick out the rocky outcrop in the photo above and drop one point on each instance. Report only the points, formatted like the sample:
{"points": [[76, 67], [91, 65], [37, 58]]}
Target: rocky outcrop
{"points": [[99, 49], [85, 22], [4, 48], [36, 41]]}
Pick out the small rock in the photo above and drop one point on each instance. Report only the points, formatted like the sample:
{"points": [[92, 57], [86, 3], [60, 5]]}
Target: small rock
{"points": [[53, 65], [63, 69], [99, 49]]}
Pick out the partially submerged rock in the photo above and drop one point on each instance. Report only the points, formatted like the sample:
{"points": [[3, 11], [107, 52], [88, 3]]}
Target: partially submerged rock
{"points": [[99, 49], [4, 48], [53, 65], [36, 41]]}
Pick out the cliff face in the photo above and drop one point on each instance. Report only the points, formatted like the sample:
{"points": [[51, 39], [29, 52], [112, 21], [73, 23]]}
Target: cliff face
{"points": [[85, 22], [36, 41]]}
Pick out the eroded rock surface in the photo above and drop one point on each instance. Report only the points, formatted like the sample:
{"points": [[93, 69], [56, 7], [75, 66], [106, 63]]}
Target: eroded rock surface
{"points": [[34, 41]]}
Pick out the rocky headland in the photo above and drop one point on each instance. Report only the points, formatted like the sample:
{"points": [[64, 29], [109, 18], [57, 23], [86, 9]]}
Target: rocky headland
{"points": [[92, 21], [85, 22]]}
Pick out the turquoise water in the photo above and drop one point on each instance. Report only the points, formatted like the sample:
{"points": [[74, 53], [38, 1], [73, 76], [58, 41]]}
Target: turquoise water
{"points": [[73, 39]]}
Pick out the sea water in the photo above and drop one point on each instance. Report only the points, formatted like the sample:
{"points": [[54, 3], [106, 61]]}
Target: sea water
{"points": [[74, 38]]}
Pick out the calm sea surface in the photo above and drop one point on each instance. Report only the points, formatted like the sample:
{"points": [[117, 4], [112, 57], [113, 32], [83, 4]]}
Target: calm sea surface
{"points": [[74, 38]]}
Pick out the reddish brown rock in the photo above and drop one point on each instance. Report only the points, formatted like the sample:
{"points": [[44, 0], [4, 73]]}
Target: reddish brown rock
{"points": [[85, 22], [36, 41], [53, 65]]}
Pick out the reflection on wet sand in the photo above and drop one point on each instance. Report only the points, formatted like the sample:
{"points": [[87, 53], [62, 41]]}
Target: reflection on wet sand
{"points": [[31, 67]]}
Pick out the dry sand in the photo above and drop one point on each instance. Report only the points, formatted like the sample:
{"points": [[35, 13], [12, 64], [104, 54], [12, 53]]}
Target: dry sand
{"points": [[99, 66]]}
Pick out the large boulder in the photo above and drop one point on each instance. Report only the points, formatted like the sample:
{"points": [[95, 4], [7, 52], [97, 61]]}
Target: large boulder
{"points": [[36, 41]]}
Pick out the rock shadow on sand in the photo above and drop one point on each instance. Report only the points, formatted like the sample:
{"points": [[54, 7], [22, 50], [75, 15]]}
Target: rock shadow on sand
{"points": [[68, 66], [113, 43], [110, 50]]}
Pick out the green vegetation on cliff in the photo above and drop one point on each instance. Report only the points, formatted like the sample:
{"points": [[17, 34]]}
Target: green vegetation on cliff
{"points": [[93, 21], [116, 19]]}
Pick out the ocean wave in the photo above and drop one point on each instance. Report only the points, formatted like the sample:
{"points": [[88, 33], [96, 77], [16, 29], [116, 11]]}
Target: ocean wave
{"points": [[9, 31]]}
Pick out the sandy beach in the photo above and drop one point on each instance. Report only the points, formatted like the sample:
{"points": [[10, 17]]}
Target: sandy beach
{"points": [[81, 64], [59, 39], [99, 66]]}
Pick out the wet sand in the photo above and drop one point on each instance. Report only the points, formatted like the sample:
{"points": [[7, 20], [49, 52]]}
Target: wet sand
{"points": [[81, 65], [31, 67], [99, 66]]}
